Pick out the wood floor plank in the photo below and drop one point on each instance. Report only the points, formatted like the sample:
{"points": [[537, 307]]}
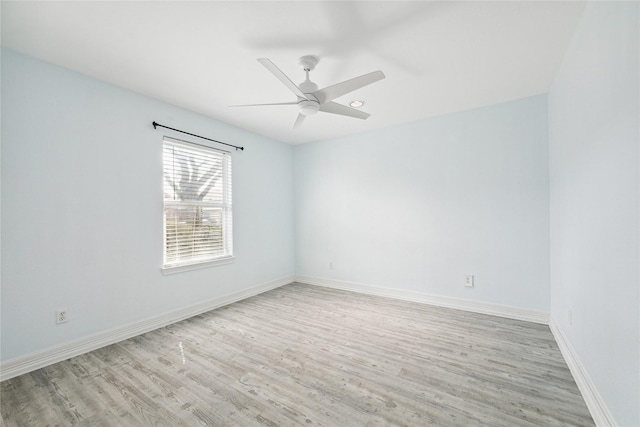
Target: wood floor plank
{"points": [[312, 356]]}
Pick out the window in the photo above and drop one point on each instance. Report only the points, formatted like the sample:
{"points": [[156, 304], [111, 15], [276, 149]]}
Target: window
{"points": [[197, 205]]}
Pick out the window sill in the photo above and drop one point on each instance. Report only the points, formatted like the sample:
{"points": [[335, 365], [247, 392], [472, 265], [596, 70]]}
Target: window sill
{"points": [[197, 266]]}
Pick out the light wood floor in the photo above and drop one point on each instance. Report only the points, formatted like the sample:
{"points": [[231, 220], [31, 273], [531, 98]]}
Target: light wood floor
{"points": [[305, 355]]}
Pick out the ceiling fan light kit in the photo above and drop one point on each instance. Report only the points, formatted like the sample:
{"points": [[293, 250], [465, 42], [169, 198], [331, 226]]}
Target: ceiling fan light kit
{"points": [[310, 99], [308, 107]]}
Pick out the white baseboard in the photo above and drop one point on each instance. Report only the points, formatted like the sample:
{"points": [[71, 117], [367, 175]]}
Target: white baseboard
{"points": [[23, 364], [442, 301], [598, 409]]}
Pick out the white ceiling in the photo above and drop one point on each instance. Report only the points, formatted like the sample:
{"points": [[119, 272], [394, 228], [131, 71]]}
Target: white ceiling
{"points": [[438, 57]]}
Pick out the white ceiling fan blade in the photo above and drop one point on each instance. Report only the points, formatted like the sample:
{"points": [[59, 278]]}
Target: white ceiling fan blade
{"points": [[282, 77], [330, 93], [335, 108], [260, 105], [299, 121]]}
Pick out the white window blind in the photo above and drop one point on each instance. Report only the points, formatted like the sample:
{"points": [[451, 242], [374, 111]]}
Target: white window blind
{"points": [[197, 204]]}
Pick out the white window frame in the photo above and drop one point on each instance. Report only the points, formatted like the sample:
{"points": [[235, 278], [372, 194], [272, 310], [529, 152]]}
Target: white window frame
{"points": [[225, 204]]}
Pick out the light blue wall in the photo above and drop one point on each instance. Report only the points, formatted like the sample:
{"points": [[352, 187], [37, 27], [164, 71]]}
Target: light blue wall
{"points": [[82, 207], [415, 207], [595, 195]]}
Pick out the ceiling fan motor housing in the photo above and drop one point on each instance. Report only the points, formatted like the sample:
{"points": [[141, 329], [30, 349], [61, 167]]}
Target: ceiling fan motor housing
{"points": [[308, 87]]}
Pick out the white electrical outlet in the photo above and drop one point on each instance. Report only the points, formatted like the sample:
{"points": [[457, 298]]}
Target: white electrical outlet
{"points": [[61, 316], [468, 280]]}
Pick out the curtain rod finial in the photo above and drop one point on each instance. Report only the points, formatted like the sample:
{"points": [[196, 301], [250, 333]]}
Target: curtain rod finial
{"points": [[154, 125]]}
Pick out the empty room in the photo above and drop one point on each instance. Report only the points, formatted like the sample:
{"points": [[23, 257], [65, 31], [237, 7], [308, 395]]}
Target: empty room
{"points": [[331, 213]]}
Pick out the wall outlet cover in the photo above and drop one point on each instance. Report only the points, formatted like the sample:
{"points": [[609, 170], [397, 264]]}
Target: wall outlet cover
{"points": [[468, 280], [61, 316]]}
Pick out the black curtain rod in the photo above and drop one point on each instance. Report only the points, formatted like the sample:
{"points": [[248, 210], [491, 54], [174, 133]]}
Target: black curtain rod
{"points": [[198, 136]]}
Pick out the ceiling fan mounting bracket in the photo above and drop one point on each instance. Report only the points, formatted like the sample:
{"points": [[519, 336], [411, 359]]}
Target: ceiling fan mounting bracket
{"points": [[308, 62]]}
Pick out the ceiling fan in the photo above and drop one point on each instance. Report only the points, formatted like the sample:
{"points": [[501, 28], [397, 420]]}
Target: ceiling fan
{"points": [[311, 99]]}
